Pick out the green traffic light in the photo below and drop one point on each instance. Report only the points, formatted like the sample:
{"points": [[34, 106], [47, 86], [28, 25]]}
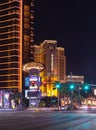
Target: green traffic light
{"points": [[86, 87], [71, 86], [58, 85]]}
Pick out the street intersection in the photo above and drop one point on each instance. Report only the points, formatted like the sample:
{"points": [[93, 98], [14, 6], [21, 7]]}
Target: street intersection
{"points": [[52, 120]]}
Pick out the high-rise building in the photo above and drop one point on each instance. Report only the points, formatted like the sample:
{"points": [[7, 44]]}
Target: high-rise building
{"points": [[16, 40], [61, 64], [54, 59]]}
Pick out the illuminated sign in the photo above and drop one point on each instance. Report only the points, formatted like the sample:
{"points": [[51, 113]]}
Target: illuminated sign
{"points": [[31, 94], [94, 91], [6, 99], [33, 65], [27, 81], [34, 87], [33, 78]]}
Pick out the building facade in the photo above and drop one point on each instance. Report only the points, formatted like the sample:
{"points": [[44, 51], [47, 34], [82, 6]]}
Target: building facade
{"points": [[16, 40], [54, 59], [75, 79]]}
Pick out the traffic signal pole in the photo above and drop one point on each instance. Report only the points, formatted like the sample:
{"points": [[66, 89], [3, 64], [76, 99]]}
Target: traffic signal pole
{"points": [[58, 86], [71, 98]]}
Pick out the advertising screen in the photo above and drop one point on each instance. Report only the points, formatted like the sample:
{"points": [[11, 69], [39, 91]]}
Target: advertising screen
{"points": [[6, 99], [31, 94], [27, 81], [33, 78]]}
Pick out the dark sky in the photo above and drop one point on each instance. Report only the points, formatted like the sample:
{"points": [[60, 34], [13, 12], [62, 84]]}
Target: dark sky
{"points": [[73, 24]]}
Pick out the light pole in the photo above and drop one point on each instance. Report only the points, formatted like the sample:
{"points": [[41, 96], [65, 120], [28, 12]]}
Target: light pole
{"points": [[71, 100], [58, 86], [79, 102]]}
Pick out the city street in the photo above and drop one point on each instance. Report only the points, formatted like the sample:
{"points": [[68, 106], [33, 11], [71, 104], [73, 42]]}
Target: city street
{"points": [[28, 120]]}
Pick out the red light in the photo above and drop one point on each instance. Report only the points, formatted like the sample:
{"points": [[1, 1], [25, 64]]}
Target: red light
{"points": [[44, 83], [33, 83]]}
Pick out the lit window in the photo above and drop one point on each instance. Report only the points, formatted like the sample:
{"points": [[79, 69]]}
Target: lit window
{"points": [[26, 14], [26, 20], [26, 38], [26, 8], [26, 25]]}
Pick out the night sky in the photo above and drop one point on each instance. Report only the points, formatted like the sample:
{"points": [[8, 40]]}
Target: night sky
{"points": [[73, 24]]}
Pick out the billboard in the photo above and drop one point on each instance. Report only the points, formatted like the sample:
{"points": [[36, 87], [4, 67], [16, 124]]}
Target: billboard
{"points": [[27, 81], [33, 78], [31, 94]]}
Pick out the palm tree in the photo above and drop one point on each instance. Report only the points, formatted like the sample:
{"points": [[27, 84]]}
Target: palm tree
{"points": [[75, 95]]}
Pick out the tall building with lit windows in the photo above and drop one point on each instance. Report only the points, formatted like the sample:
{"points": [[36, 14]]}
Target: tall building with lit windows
{"points": [[54, 59], [16, 40]]}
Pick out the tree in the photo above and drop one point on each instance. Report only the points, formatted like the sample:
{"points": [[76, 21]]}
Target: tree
{"points": [[76, 96]]}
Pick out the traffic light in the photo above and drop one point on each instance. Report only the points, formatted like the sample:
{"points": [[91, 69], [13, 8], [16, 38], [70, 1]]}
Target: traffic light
{"points": [[33, 83], [71, 86], [58, 85], [86, 87], [44, 83]]}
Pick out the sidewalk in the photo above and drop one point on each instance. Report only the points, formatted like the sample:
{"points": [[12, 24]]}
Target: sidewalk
{"points": [[41, 109], [7, 109]]}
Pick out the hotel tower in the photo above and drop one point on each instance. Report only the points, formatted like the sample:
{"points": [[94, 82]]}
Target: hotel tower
{"points": [[16, 40], [54, 59]]}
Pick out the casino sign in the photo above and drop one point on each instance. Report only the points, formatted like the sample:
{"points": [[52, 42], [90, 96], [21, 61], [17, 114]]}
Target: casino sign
{"points": [[33, 65]]}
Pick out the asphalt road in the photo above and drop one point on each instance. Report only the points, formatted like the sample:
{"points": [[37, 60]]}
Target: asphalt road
{"points": [[28, 120]]}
